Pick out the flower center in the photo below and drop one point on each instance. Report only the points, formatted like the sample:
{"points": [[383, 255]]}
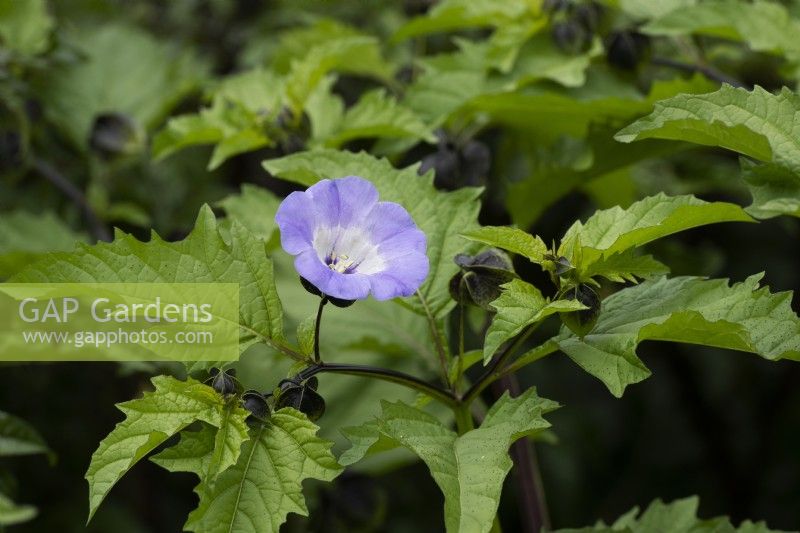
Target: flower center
{"points": [[340, 263], [347, 250]]}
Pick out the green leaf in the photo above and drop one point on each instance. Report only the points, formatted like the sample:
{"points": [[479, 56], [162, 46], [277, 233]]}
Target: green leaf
{"points": [[755, 123], [764, 26], [257, 493], [202, 257], [627, 266], [452, 15], [25, 237], [512, 239], [775, 189], [11, 513], [122, 69], [25, 27], [547, 115], [615, 230], [740, 317], [436, 94], [647, 9], [254, 208], [378, 115], [540, 59], [17, 437], [469, 469], [305, 335], [152, 419], [520, 305], [356, 54], [678, 516], [191, 454], [441, 215]]}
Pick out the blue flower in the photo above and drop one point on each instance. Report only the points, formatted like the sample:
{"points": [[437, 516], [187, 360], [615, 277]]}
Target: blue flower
{"points": [[348, 244]]}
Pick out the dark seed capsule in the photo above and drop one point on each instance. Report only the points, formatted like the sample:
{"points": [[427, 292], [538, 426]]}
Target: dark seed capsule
{"points": [[627, 49], [582, 322], [589, 16], [571, 37], [478, 283], [116, 134], [304, 399], [445, 165], [476, 160], [312, 382], [224, 383], [256, 403], [562, 266]]}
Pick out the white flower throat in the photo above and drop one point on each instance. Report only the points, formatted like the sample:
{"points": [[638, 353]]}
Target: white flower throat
{"points": [[347, 250]]}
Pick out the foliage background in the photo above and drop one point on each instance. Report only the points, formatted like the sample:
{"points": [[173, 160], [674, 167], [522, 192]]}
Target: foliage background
{"points": [[708, 422]]}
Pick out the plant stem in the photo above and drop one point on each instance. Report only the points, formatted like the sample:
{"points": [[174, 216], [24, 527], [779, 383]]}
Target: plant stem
{"points": [[385, 374], [541, 351], [96, 226], [495, 370], [437, 338], [706, 70], [530, 491], [322, 302], [464, 420]]}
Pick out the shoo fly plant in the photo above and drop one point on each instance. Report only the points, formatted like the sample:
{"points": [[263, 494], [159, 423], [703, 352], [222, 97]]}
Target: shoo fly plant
{"points": [[423, 205]]}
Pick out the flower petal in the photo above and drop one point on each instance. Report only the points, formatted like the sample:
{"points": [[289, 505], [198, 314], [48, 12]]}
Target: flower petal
{"points": [[342, 202], [387, 219], [402, 278], [296, 222]]}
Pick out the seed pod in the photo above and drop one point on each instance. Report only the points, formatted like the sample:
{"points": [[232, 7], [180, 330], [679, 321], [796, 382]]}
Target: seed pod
{"points": [[301, 397], [478, 283], [476, 161], [590, 16], [116, 134], [256, 403], [571, 37], [223, 382], [627, 49], [583, 321], [445, 165], [562, 266]]}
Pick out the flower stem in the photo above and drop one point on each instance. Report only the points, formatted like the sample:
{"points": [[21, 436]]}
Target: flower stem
{"points": [[438, 341], [385, 374], [322, 303]]}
